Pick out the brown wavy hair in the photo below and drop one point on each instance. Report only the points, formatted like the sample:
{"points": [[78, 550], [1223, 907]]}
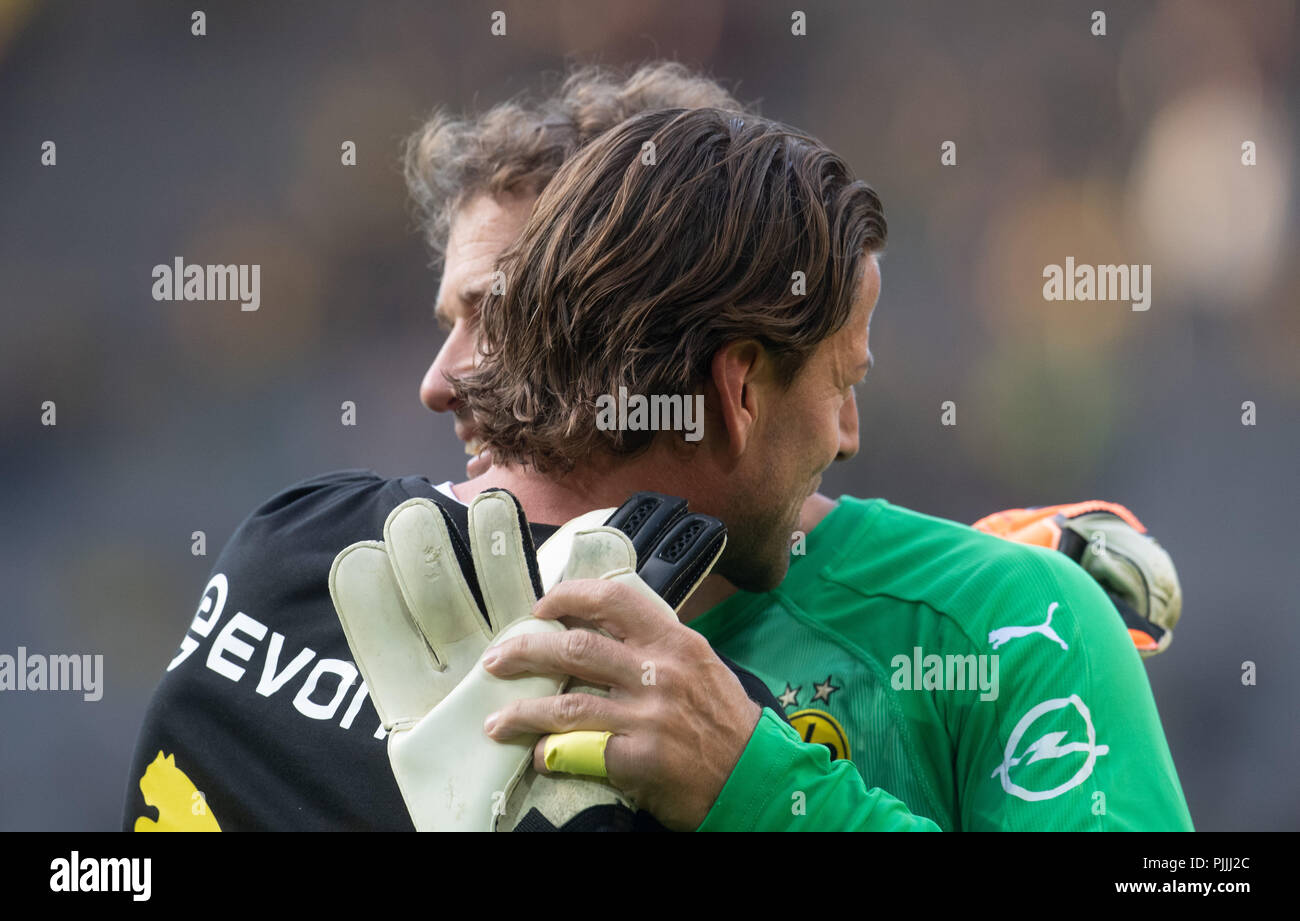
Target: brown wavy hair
{"points": [[517, 147], [635, 274]]}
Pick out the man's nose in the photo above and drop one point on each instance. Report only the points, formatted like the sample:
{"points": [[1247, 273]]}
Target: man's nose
{"points": [[848, 428], [455, 357]]}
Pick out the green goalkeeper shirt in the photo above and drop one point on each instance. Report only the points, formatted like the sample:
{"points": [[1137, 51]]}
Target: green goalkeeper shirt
{"points": [[937, 676]]}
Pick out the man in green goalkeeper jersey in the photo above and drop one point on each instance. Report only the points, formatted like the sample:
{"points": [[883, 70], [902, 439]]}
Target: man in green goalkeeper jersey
{"points": [[983, 684], [987, 684]]}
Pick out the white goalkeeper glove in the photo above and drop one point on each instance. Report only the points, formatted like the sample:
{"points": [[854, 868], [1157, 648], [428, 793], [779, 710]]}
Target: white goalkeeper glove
{"points": [[419, 610]]}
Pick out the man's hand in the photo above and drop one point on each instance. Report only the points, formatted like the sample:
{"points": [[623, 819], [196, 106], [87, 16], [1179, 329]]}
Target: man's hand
{"points": [[679, 716], [1112, 546]]}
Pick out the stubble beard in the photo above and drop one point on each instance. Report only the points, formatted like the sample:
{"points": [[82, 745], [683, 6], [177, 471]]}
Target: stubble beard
{"points": [[758, 550]]}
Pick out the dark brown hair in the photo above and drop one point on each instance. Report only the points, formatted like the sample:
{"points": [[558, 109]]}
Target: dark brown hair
{"points": [[667, 237]]}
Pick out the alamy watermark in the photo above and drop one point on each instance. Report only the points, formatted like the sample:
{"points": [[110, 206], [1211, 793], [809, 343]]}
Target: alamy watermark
{"points": [[1098, 283], [103, 874], [194, 282], [919, 672], [36, 672], [658, 412]]}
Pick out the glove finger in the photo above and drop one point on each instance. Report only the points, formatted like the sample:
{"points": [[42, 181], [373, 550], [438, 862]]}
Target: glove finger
{"points": [[682, 558], [645, 517], [452, 775], [397, 665], [675, 550], [431, 574], [504, 559], [599, 552], [553, 554]]}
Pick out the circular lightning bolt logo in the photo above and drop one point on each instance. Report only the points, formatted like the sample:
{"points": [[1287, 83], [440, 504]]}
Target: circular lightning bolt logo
{"points": [[1049, 746]]}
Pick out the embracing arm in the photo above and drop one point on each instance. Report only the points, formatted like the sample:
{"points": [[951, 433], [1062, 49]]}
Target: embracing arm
{"points": [[782, 783]]}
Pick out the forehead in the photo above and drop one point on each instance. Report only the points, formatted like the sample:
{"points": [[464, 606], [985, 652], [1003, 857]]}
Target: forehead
{"points": [[868, 287], [853, 336], [481, 229]]}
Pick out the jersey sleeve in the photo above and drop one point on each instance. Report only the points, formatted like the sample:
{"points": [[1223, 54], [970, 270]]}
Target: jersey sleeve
{"points": [[782, 783], [1072, 740]]}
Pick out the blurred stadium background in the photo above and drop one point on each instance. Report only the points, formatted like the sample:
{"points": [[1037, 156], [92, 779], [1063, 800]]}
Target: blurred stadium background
{"points": [[176, 417]]}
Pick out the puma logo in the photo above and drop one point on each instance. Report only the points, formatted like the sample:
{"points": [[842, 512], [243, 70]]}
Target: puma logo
{"points": [[180, 805], [1006, 634]]}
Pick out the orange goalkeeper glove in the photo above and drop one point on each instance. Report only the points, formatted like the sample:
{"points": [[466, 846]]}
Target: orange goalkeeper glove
{"points": [[1112, 546]]}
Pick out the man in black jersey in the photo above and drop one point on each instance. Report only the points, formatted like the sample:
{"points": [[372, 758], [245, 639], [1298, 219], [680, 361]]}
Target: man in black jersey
{"points": [[261, 721]]}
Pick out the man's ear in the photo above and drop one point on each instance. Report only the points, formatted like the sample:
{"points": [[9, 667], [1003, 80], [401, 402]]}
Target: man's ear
{"points": [[735, 370]]}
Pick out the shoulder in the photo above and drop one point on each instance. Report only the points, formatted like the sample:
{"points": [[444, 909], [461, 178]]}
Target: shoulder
{"points": [[977, 581], [346, 505], [340, 491], [291, 539]]}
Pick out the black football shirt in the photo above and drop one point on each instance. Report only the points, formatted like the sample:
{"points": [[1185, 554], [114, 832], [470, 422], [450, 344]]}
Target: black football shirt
{"points": [[262, 721]]}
